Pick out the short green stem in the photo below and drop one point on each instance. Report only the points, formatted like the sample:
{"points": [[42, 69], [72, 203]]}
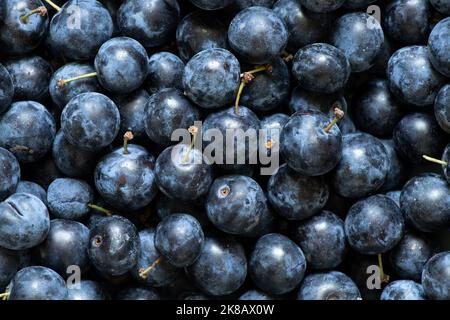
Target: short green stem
{"points": [[435, 160], [100, 209], [42, 11], [62, 82], [53, 5]]}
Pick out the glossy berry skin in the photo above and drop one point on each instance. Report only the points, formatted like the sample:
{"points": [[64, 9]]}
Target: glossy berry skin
{"points": [[321, 67], [242, 4], [363, 167], [165, 206], [374, 225], [221, 267], [90, 121], [305, 27], [6, 89], [80, 40], [121, 64], [179, 238], [69, 198], [255, 295], [322, 240], [163, 273], [183, 180], [435, 278], [415, 86], [403, 290], [165, 70], [17, 37], [397, 172], [127, 181], [257, 45], [376, 111], [236, 204], [10, 263], [407, 21], [211, 78], [10, 173], [66, 245], [138, 293], [333, 285], [441, 6], [131, 108], [199, 31], [357, 4], [273, 124], [304, 100], [62, 95], [269, 89], [70, 160], [151, 22], [442, 108], [37, 283], [294, 196], [24, 222], [27, 130], [114, 245], [166, 111], [30, 76], [409, 257], [437, 44], [277, 265], [418, 134], [395, 195], [32, 188], [446, 158], [86, 290], [425, 202], [212, 4], [360, 37], [227, 119], [307, 147], [322, 6]]}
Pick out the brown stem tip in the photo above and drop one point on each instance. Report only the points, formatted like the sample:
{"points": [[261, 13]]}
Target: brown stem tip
{"points": [[338, 115]]}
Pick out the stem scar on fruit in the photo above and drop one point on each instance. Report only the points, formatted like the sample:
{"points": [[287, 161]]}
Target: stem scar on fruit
{"points": [[269, 144], [224, 191], [98, 241]]}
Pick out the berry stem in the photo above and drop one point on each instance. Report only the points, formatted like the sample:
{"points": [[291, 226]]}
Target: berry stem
{"points": [[444, 163], [53, 5], [100, 209], [287, 57], [62, 82], [193, 130], [127, 137], [4, 296], [384, 278], [41, 10], [238, 96], [143, 273], [338, 115], [247, 77]]}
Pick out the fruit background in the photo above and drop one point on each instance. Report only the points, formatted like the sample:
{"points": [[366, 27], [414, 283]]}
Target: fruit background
{"points": [[97, 201]]}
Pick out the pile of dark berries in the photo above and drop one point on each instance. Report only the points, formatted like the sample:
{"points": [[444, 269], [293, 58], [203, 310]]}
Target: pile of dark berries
{"points": [[352, 98]]}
